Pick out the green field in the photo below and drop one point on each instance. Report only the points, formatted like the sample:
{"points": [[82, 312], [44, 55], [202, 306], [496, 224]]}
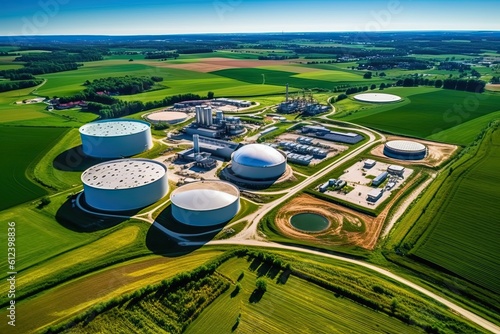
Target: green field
{"points": [[72, 298], [20, 148], [278, 311], [464, 236], [281, 78], [304, 294], [428, 114]]}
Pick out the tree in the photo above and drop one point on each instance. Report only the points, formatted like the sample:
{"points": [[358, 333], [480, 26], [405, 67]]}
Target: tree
{"points": [[261, 284], [382, 86], [210, 95], [341, 97], [367, 75], [373, 86], [408, 82]]}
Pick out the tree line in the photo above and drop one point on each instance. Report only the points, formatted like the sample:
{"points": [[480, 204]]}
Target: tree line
{"points": [[13, 85], [50, 62], [161, 55], [126, 85]]}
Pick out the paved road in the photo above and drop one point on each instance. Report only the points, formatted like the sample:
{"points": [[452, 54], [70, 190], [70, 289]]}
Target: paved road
{"points": [[251, 231]]}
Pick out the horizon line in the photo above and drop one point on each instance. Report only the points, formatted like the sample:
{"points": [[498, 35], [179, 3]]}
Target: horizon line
{"points": [[258, 33]]}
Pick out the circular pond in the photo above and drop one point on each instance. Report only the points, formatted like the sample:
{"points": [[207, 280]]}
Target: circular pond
{"points": [[309, 222]]}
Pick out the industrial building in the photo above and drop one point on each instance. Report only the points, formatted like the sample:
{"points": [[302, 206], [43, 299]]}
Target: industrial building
{"points": [[201, 159], [334, 183], [115, 138], [379, 179], [396, 170], [218, 127], [124, 184], [405, 150], [374, 195], [305, 104], [299, 158], [326, 134], [369, 163], [214, 147], [236, 103], [258, 162], [205, 203], [303, 149]]}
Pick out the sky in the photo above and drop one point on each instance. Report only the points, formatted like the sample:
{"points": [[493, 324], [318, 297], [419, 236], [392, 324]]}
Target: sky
{"points": [[135, 17]]}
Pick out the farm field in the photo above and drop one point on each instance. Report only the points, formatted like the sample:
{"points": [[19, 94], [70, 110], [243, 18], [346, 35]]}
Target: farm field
{"points": [[464, 236], [320, 311], [20, 148], [443, 109], [55, 306], [226, 300], [281, 78]]}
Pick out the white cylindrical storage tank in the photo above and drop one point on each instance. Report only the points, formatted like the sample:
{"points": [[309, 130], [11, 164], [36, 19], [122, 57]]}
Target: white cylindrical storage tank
{"points": [[405, 150], [115, 138], [258, 162], [124, 184], [198, 114], [208, 116], [205, 203]]}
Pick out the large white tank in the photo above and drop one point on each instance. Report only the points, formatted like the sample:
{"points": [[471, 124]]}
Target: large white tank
{"points": [[125, 184], [115, 138], [258, 162], [405, 150], [205, 203]]}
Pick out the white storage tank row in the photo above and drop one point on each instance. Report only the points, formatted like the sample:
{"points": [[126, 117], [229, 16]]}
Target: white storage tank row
{"points": [[115, 138], [129, 184]]}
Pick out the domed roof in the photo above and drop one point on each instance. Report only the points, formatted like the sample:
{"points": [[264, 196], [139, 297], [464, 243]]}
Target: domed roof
{"points": [[405, 146], [205, 195], [258, 155]]}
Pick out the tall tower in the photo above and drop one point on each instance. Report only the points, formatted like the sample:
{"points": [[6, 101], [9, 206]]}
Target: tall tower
{"points": [[196, 144]]}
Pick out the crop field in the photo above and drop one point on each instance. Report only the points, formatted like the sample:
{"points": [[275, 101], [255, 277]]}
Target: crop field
{"points": [[225, 300], [281, 78], [278, 310], [429, 113], [331, 76], [55, 305], [464, 236], [20, 148]]}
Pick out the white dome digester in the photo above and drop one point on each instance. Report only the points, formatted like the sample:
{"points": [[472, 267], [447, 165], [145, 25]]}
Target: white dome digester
{"points": [[258, 162]]}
